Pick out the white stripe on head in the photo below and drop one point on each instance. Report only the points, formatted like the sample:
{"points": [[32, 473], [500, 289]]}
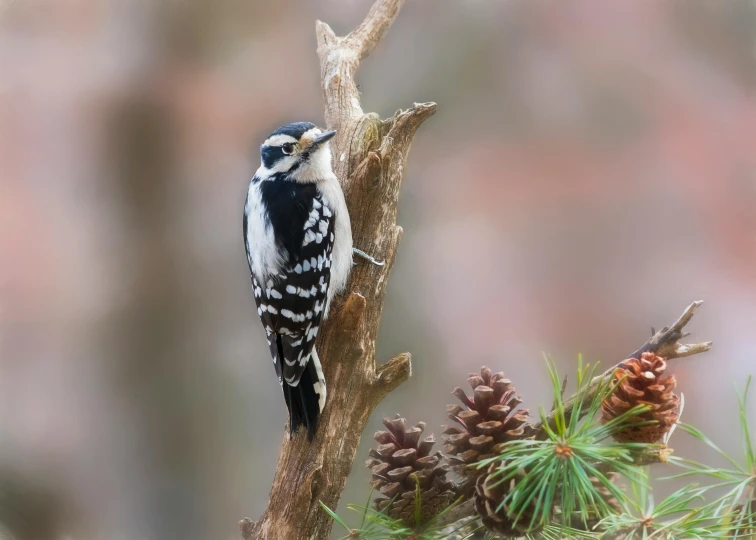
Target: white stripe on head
{"points": [[308, 137], [282, 165], [278, 140]]}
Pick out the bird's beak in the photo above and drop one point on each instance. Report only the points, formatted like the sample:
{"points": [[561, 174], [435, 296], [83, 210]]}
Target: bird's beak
{"points": [[320, 139]]}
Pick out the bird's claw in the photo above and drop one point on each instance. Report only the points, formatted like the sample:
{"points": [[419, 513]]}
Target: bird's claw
{"points": [[367, 257]]}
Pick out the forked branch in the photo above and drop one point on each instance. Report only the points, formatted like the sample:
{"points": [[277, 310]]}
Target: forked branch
{"points": [[369, 159]]}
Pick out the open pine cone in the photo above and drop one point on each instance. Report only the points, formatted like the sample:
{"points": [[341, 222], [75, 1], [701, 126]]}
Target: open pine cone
{"points": [[642, 383], [488, 418], [488, 498], [400, 462]]}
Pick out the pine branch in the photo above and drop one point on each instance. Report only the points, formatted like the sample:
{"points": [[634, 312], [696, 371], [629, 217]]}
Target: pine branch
{"points": [[648, 456], [369, 159], [665, 343]]}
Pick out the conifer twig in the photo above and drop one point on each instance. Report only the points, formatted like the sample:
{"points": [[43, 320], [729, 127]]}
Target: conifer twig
{"points": [[648, 456], [665, 343]]}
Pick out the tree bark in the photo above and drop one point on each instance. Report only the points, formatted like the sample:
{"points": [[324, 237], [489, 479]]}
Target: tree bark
{"points": [[369, 159]]}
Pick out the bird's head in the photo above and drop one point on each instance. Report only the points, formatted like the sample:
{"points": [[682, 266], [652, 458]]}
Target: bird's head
{"points": [[300, 151]]}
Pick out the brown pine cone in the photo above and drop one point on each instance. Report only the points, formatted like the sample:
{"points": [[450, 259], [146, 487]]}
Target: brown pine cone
{"points": [[400, 462], [488, 418], [488, 497], [643, 384]]}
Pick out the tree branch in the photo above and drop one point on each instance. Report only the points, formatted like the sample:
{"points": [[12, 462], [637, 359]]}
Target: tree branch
{"points": [[369, 160], [665, 343], [394, 372], [379, 19]]}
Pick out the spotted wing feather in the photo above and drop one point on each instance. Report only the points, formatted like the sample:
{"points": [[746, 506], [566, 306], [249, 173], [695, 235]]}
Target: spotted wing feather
{"points": [[291, 303]]}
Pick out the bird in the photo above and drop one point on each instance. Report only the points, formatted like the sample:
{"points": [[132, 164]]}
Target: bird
{"points": [[298, 240]]}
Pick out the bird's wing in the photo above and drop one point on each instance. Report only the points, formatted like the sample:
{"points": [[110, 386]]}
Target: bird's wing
{"points": [[291, 304]]}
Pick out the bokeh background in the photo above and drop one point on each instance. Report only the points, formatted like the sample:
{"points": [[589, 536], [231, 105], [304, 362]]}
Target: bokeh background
{"points": [[591, 170]]}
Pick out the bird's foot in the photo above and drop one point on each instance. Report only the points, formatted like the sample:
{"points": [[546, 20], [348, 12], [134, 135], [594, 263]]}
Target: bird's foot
{"points": [[367, 257]]}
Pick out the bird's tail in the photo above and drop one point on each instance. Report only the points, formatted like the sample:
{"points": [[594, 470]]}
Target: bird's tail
{"points": [[307, 398]]}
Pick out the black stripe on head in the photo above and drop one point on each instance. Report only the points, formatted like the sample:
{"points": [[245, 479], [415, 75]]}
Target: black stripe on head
{"points": [[296, 130], [270, 155]]}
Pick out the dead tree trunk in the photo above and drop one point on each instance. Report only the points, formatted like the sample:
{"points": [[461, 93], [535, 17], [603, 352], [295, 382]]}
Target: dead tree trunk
{"points": [[369, 158]]}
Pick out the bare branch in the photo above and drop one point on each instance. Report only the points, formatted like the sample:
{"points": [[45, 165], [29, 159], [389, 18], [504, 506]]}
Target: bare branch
{"points": [[404, 124], [340, 58], [379, 19], [394, 372], [369, 160], [247, 527], [666, 342]]}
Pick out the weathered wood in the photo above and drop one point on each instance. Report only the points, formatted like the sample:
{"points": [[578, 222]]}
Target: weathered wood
{"points": [[369, 159]]}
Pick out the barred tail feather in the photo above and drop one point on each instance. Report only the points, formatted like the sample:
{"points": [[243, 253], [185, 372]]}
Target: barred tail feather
{"points": [[307, 398]]}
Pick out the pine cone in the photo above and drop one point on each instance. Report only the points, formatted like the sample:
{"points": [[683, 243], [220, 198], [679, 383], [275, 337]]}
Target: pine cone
{"points": [[488, 497], [488, 418], [643, 384], [400, 462]]}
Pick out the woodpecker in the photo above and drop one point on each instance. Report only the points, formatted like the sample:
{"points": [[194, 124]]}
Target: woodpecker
{"points": [[298, 239]]}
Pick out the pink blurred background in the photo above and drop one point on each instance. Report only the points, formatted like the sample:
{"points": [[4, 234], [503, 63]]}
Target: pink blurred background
{"points": [[591, 170]]}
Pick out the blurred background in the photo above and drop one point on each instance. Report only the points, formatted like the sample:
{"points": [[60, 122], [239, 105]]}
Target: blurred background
{"points": [[591, 170]]}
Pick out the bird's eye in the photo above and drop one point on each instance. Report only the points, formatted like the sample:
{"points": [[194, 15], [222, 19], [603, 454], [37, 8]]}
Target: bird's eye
{"points": [[287, 149]]}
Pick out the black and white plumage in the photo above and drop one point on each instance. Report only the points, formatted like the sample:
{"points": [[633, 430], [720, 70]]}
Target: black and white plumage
{"points": [[298, 240]]}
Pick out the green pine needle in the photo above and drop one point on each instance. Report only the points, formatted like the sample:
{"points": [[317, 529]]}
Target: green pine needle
{"points": [[678, 516], [566, 471], [333, 515], [558, 470], [739, 481], [559, 532], [376, 525]]}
